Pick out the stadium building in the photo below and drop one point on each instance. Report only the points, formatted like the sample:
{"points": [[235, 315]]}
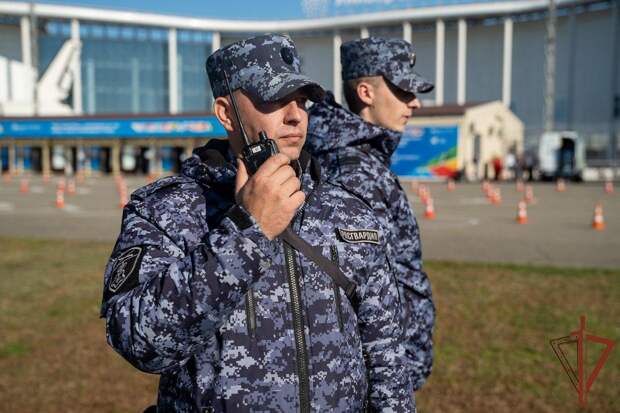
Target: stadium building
{"points": [[111, 91]]}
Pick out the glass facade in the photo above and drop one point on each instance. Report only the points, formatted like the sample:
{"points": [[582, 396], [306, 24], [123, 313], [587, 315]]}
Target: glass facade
{"points": [[125, 69], [193, 48], [52, 36]]}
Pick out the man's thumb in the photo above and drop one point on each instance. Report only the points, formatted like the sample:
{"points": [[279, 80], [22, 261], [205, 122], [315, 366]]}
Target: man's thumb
{"points": [[242, 176]]}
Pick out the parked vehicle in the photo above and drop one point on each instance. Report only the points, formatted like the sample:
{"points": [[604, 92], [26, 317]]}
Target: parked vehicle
{"points": [[561, 155]]}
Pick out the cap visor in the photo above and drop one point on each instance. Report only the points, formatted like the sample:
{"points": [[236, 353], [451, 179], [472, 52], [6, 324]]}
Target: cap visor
{"points": [[414, 83], [284, 84]]}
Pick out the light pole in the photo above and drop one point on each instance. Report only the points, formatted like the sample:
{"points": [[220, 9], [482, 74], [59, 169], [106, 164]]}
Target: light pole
{"points": [[549, 103]]}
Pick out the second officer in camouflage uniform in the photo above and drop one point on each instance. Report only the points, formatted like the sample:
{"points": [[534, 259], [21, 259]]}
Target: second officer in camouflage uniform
{"points": [[201, 290], [356, 146]]}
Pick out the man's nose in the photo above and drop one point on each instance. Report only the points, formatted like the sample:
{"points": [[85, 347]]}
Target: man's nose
{"points": [[293, 112], [415, 103]]}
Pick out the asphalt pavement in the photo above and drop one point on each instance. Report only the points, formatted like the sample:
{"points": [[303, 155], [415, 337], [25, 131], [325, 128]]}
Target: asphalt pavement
{"points": [[467, 227]]}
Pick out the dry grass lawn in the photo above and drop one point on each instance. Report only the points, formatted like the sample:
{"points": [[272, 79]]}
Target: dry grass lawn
{"points": [[492, 335]]}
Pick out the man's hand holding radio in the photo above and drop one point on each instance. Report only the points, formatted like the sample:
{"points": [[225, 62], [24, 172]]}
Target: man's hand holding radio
{"points": [[272, 195]]}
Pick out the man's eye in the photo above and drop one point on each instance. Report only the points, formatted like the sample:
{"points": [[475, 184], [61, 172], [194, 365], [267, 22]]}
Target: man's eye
{"points": [[302, 102]]}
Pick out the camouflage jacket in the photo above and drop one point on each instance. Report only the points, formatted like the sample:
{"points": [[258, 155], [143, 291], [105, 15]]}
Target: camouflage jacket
{"points": [[357, 156], [234, 322]]}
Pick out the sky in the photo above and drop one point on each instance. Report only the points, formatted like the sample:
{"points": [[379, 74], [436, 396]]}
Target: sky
{"points": [[256, 9]]}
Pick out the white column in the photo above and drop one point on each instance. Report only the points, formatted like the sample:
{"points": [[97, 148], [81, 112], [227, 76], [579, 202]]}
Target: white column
{"points": [[364, 33], [20, 159], [216, 41], [173, 70], [440, 43], [135, 85], [77, 68], [90, 85], [26, 42], [337, 75], [462, 63], [407, 32], [507, 68]]}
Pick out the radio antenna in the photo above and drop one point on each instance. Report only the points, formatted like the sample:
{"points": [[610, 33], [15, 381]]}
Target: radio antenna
{"points": [[234, 104]]}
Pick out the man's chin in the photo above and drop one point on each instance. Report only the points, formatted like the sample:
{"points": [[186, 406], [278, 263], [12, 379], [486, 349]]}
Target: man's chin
{"points": [[291, 151], [400, 127]]}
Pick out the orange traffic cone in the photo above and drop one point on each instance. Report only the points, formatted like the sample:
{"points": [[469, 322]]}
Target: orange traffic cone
{"points": [[522, 213], [71, 187], [80, 177], [485, 187], [60, 199], [421, 189], [496, 196], [23, 186], [529, 194], [7, 178], [598, 222], [429, 212], [609, 187], [122, 195], [426, 196], [61, 185], [46, 178], [490, 193], [560, 185], [423, 193], [520, 185], [451, 185]]}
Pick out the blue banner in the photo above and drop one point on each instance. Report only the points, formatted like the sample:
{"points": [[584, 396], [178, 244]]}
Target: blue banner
{"points": [[171, 127], [427, 152]]}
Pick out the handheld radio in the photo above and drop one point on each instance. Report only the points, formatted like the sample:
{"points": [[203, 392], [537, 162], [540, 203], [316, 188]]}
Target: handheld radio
{"points": [[254, 154]]}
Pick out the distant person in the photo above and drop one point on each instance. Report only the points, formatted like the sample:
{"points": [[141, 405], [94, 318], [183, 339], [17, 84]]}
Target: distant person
{"points": [[530, 164], [520, 166], [510, 163], [356, 146], [497, 168]]}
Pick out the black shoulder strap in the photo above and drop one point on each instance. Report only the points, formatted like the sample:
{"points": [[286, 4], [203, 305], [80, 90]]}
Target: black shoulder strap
{"points": [[314, 254]]}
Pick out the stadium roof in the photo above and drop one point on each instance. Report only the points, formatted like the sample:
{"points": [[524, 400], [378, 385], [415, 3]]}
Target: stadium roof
{"points": [[480, 9]]}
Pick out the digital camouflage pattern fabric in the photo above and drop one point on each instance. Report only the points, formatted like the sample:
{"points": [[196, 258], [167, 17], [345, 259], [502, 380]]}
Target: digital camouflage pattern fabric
{"points": [[357, 155], [391, 58], [266, 67], [234, 322]]}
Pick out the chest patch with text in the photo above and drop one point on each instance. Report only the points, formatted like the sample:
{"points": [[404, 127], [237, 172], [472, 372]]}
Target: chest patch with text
{"points": [[359, 235]]}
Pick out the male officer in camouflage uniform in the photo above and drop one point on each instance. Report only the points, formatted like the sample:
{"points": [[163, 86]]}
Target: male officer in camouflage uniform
{"points": [[202, 290], [356, 145]]}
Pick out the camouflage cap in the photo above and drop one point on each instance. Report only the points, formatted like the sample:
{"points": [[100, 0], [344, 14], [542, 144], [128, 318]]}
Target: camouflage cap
{"points": [[266, 67], [391, 58]]}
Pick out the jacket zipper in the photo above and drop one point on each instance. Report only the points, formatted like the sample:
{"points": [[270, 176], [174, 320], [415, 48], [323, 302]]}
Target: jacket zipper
{"points": [[250, 312], [298, 329], [337, 298]]}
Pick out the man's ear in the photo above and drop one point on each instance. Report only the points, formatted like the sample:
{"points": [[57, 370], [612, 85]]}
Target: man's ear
{"points": [[223, 111], [366, 92]]}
